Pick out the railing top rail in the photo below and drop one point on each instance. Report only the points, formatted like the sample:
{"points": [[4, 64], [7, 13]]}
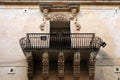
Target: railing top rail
{"points": [[61, 33], [75, 35]]}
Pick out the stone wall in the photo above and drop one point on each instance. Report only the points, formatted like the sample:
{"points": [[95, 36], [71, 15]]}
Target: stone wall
{"points": [[16, 21]]}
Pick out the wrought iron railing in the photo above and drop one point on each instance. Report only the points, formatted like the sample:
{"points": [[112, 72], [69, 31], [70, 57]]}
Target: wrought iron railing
{"points": [[61, 41]]}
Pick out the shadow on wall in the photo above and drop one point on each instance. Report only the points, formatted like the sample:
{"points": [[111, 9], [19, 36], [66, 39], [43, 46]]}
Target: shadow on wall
{"points": [[103, 59], [102, 54]]}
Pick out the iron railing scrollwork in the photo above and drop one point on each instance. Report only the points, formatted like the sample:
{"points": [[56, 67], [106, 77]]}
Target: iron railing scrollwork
{"points": [[61, 41]]}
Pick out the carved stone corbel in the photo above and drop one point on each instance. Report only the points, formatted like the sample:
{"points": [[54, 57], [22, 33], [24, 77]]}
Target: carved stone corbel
{"points": [[45, 65], [76, 65], [61, 65], [92, 65], [30, 64]]}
